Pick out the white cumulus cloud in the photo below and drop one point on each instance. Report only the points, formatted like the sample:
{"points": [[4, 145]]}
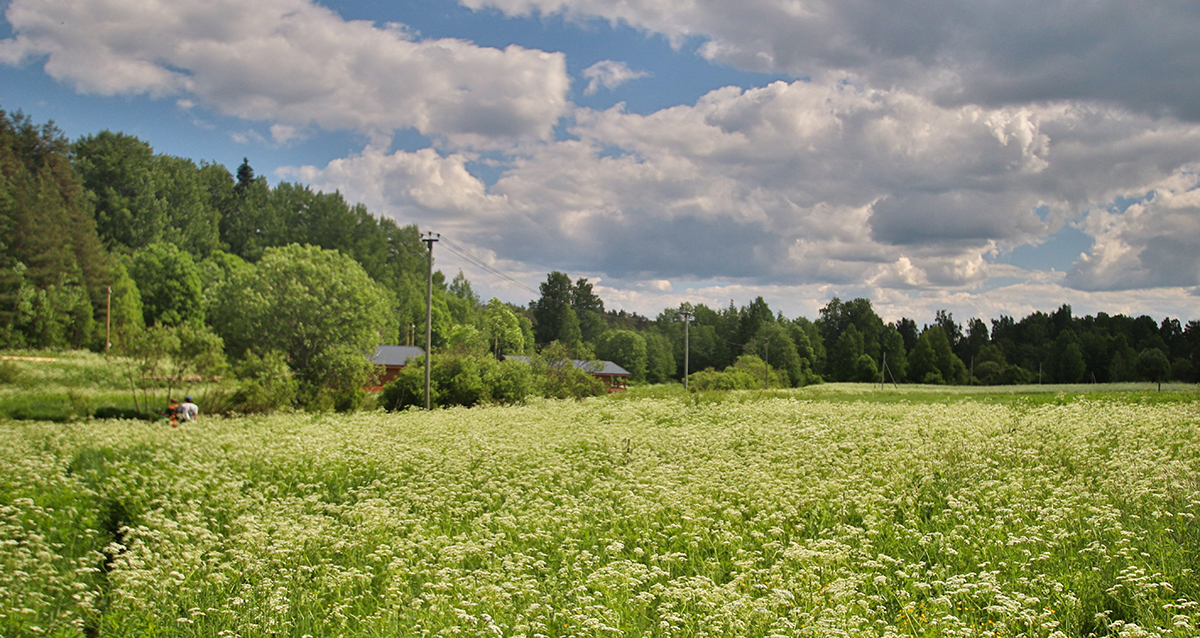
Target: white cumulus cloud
{"points": [[957, 51], [609, 74], [294, 62], [794, 184]]}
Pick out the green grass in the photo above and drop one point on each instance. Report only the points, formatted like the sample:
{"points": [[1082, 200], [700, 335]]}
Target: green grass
{"points": [[745, 515], [1143, 393], [76, 385]]}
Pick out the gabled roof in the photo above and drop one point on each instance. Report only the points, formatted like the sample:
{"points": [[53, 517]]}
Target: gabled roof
{"points": [[395, 355], [605, 367]]}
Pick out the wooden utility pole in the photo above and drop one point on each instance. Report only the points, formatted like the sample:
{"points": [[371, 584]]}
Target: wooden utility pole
{"points": [[766, 364], [429, 239], [687, 315], [108, 321]]}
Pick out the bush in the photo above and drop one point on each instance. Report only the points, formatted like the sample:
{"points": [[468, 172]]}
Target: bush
{"points": [[9, 372], [989, 372], [265, 384], [460, 379], [933, 377], [1016, 375], [865, 370], [407, 389], [510, 382]]}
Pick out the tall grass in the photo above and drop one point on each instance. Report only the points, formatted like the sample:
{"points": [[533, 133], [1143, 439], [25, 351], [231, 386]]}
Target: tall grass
{"points": [[651, 517], [73, 385]]}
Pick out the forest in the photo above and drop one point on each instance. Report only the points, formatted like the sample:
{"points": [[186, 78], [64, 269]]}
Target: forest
{"points": [[106, 244]]}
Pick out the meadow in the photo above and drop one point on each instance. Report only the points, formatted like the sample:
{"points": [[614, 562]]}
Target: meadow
{"points": [[832, 511]]}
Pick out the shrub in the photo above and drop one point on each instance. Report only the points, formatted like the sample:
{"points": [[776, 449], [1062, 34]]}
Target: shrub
{"points": [[407, 389], [1015, 375], [865, 369], [460, 379], [9, 372], [265, 384], [510, 381], [989, 372]]}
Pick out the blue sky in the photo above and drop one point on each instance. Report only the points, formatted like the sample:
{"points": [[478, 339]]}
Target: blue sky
{"points": [[986, 158]]}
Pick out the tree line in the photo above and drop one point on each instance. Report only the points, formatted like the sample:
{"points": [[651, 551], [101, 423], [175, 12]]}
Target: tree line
{"points": [[288, 288], [753, 346]]}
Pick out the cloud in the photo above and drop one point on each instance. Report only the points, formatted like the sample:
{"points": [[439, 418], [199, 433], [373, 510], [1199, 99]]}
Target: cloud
{"points": [[959, 51], [1150, 244], [282, 133], [293, 62], [610, 75], [412, 187], [801, 183]]}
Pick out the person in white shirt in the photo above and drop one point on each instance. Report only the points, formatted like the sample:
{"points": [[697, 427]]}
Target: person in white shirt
{"points": [[188, 411]]}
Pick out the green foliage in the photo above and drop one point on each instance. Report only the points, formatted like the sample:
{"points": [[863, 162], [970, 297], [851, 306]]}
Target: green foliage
{"points": [[9, 372], [891, 344], [52, 266], [169, 284], [551, 309], [747, 373], [265, 384], [669, 516], [316, 306], [118, 169], [146, 355], [660, 361], [839, 316], [460, 379], [773, 342], [502, 329], [729, 379], [1153, 365], [127, 317], [465, 339], [407, 390], [865, 370], [844, 355], [589, 311], [510, 382], [200, 353], [627, 349], [559, 376], [988, 372]]}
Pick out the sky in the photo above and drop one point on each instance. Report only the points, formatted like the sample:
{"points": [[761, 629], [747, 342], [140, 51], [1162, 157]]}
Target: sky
{"points": [[987, 157]]}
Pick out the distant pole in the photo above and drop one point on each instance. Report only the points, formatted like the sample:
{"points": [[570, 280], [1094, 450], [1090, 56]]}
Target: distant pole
{"points": [[687, 314], [883, 371], [108, 321], [767, 364], [429, 238]]}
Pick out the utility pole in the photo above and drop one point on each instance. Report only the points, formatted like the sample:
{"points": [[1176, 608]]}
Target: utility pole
{"points": [[767, 364], [687, 315], [429, 239], [108, 321]]}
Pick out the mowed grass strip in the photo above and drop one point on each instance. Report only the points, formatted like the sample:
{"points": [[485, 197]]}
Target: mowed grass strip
{"points": [[645, 517]]}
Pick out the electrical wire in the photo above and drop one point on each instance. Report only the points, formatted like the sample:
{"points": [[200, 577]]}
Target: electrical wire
{"points": [[480, 263]]}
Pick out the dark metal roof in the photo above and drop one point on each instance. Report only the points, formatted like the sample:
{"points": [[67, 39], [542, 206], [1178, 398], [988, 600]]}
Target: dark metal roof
{"points": [[605, 367], [395, 355]]}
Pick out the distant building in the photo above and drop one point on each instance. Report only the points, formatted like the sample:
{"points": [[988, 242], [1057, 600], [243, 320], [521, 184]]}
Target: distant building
{"points": [[393, 359], [613, 375]]}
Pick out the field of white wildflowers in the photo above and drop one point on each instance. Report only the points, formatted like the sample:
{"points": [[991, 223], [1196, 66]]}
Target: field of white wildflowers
{"points": [[648, 517]]}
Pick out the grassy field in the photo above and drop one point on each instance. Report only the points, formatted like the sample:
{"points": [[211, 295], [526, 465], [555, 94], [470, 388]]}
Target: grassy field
{"points": [[827, 511], [74, 385]]}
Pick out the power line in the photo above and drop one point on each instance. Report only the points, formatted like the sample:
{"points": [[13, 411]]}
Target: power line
{"points": [[480, 263]]}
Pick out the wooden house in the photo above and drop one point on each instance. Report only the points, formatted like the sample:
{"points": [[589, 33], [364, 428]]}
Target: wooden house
{"points": [[614, 376], [393, 359]]}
